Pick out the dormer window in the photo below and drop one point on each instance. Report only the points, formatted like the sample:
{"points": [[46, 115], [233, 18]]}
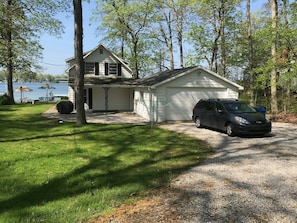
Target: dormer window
{"points": [[92, 68], [89, 68], [113, 69]]}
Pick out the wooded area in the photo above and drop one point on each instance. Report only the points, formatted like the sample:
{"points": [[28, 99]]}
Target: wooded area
{"points": [[257, 49]]}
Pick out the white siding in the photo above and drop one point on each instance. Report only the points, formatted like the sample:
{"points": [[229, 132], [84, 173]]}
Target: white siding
{"points": [[71, 94], [142, 103], [232, 93]]}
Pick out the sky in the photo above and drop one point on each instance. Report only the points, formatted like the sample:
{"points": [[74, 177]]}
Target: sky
{"points": [[57, 50]]}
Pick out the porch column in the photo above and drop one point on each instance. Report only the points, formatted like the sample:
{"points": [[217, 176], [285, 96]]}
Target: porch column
{"points": [[106, 97]]}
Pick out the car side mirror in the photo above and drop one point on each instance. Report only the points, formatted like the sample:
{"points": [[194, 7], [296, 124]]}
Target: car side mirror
{"points": [[220, 111]]}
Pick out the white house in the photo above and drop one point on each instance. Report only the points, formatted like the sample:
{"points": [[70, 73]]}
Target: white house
{"points": [[106, 76], [168, 95]]}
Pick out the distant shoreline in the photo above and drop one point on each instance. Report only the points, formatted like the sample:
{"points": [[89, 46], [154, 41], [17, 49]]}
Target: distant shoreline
{"points": [[59, 90]]}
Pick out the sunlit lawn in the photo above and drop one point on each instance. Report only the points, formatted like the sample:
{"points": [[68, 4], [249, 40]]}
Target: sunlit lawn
{"points": [[53, 172]]}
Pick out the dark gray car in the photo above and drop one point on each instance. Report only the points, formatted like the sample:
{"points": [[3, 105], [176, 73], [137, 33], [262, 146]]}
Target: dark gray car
{"points": [[232, 116]]}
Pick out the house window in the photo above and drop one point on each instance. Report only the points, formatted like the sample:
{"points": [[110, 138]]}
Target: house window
{"points": [[101, 51], [89, 68], [96, 68], [113, 69]]}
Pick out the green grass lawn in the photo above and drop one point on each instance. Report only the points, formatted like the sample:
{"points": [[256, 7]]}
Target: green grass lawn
{"points": [[53, 172]]}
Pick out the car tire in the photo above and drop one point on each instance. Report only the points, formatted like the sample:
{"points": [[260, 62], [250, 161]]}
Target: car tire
{"points": [[230, 130], [197, 122]]}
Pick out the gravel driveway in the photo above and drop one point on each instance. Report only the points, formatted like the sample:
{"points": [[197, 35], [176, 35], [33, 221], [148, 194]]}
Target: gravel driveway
{"points": [[247, 180]]}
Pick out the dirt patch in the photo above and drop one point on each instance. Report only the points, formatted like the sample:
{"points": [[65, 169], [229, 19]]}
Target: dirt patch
{"points": [[161, 206], [287, 118]]}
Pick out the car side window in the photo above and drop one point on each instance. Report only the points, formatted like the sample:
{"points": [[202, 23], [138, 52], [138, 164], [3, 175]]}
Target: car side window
{"points": [[219, 107]]}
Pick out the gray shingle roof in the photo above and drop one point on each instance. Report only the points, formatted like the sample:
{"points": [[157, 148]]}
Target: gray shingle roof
{"points": [[160, 77]]}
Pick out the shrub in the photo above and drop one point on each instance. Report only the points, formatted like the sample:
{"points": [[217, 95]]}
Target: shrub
{"points": [[5, 100], [65, 107]]}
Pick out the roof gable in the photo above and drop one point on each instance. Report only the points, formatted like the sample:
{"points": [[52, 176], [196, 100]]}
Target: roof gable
{"points": [[88, 53]]}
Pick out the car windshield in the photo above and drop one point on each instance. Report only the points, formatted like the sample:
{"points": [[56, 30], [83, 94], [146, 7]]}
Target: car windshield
{"points": [[239, 107]]}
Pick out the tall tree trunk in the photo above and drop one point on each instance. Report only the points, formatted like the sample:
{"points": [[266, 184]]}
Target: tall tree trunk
{"points": [[171, 55], [273, 75], [215, 47], [135, 55], [9, 69], [8, 37], [167, 34], [288, 92], [223, 40], [181, 53], [122, 48], [79, 76], [179, 17], [251, 52]]}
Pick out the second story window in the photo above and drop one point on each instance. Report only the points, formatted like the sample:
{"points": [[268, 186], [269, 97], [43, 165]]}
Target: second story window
{"points": [[91, 68], [113, 69]]}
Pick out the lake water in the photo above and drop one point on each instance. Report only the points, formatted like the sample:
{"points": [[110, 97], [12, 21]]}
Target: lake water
{"points": [[59, 89]]}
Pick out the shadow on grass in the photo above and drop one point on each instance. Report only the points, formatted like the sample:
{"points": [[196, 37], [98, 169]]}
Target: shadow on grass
{"points": [[132, 160]]}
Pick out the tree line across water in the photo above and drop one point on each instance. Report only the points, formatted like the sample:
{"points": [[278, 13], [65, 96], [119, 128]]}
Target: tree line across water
{"points": [[26, 77]]}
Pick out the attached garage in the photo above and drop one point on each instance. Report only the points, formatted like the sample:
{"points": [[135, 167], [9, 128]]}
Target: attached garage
{"points": [[171, 95], [182, 100]]}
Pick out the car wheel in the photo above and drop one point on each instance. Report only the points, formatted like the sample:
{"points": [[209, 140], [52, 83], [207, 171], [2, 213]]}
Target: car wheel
{"points": [[229, 130], [197, 122]]}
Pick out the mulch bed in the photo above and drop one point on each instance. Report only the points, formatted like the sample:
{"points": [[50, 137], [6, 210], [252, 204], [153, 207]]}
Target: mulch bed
{"points": [[287, 118]]}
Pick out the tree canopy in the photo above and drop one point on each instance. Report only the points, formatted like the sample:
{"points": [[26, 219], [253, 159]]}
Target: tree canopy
{"points": [[21, 24], [254, 48]]}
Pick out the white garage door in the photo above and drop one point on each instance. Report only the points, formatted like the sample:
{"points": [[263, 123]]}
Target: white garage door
{"points": [[182, 100]]}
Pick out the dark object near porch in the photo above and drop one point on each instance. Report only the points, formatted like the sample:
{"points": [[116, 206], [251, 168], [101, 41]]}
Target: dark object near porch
{"points": [[65, 107]]}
